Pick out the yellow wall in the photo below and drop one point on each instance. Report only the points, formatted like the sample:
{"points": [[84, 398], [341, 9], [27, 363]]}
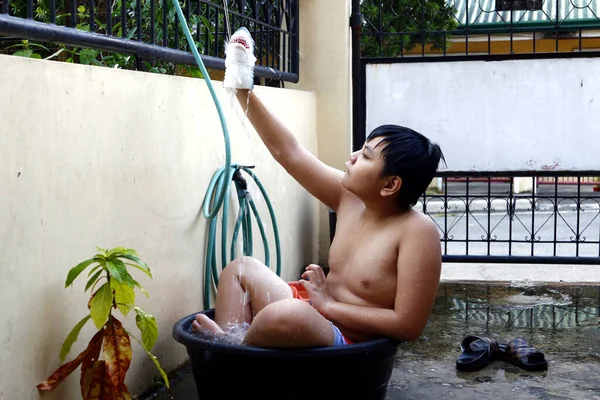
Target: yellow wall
{"points": [[520, 45], [94, 156]]}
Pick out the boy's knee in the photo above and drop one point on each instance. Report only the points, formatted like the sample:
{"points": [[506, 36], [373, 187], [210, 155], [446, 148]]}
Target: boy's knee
{"points": [[282, 315], [241, 265]]}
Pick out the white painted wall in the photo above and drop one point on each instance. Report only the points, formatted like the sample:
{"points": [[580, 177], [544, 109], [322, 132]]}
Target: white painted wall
{"points": [[325, 68], [525, 115], [95, 156]]}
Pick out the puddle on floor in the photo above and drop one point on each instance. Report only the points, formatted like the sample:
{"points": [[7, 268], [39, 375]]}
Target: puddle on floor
{"points": [[562, 321]]}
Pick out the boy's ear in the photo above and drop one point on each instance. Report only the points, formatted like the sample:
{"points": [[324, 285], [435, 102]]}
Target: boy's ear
{"points": [[392, 186]]}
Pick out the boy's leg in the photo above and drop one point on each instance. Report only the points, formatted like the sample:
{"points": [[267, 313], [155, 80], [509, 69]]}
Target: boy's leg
{"points": [[246, 286], [290, 323]]}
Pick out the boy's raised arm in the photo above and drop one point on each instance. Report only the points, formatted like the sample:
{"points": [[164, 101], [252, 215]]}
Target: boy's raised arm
{"points": [[321, 180]]}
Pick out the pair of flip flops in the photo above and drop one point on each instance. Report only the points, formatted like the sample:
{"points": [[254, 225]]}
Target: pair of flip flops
{"points": [[479, 351]]}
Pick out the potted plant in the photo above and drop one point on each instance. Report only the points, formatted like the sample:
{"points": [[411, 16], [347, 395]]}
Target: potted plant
{"points": [[107, 357]]}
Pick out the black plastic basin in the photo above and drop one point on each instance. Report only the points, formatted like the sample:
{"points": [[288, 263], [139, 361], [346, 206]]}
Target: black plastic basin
{"points": [[225, 371]]}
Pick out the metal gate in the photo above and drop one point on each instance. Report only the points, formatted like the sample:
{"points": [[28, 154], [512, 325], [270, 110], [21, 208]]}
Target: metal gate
{"points": [[479, 214]]}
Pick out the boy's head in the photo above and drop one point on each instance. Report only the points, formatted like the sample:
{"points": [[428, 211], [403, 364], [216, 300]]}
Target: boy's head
{"points": [[410, 156]]}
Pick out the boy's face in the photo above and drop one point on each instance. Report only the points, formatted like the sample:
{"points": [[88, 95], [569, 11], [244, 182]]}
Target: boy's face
{"points": [[363, 170]]}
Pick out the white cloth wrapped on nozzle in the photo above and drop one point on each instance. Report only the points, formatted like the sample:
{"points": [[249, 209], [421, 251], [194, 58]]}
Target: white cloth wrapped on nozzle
{"points": [[239, 61]]}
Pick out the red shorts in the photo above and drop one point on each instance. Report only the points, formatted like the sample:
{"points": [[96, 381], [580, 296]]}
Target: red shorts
{"points": [[298, 292]]}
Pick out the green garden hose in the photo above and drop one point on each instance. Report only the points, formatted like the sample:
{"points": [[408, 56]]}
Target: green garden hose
{"points": [[217, 195]]}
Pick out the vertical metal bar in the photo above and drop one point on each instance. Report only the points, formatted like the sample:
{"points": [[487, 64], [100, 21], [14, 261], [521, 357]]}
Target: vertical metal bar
{"points": [[123, 18], [532, 221], [489, 44], [380, 29], [445, 43], [555, 212], [533, 39], [467, 217], [165, 8], [580, 41], [285, 39], [422, 28], [73, 12], [216, 35], [51, 5], [556, 26], [577, 235], [445, 215], [176, 32], [511, 32], [4, 7], [187, 20], [402, 45], [256, 15], [152, 22], [92, 17], [138, 19], [512, 207], [489, 215], [198, 24], [29, 8], [467, 30], [109, 26], [268, 52], [358, 77], [206, 31]]}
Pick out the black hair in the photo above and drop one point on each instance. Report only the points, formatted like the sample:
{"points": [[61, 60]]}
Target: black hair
{"points": [[409, 155]]}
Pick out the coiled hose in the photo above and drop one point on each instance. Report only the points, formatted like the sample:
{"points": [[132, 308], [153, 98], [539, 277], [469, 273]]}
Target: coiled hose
{"points": [[217, 196]]}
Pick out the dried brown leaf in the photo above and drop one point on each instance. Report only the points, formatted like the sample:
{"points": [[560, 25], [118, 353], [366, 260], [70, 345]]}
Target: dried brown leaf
{"points": [[116, 353], [66, 369]]}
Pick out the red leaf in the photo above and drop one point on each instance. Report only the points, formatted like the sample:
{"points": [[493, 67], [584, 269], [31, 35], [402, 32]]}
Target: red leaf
{"points": [[110, 393], [66, 369], [89, 365], [116, 353], [92, 381]]}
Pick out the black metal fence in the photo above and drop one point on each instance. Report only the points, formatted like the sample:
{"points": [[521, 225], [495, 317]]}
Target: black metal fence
{"points": [[150, 31], [556, 220], [497, 28]]}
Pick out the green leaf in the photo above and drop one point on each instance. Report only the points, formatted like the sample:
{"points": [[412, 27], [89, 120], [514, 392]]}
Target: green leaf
{"points": [[155, 361], [23, 53], [81, 9], [100, 305], [139, 264], [127, 279], [76, 270], [71, 338], [116, 271], [147, 326], [92, 280], [87, 56], [124, 296], [137, 284], [123, 250], [94, 269]]}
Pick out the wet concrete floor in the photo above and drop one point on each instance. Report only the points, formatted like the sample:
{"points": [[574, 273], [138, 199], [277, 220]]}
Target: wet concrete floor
{"points": [[563, 321]]}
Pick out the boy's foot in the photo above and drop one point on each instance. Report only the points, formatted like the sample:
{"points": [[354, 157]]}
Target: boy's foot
{"points": [[203, 324]]}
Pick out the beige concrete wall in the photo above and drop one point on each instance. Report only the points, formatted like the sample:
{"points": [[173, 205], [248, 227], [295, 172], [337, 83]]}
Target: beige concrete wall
{"points": [[93, 156], [325, 68]]}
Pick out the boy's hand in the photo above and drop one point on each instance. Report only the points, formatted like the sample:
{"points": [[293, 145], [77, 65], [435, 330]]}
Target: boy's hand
{"points": [[315, 283], [239, 61]]}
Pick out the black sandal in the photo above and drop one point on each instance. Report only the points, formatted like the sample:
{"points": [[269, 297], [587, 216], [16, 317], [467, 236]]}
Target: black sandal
{"points": [[477, 352], [520, 353]]}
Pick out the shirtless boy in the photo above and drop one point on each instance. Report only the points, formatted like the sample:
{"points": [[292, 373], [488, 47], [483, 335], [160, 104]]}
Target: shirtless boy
{"points": [[385, 259]]}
